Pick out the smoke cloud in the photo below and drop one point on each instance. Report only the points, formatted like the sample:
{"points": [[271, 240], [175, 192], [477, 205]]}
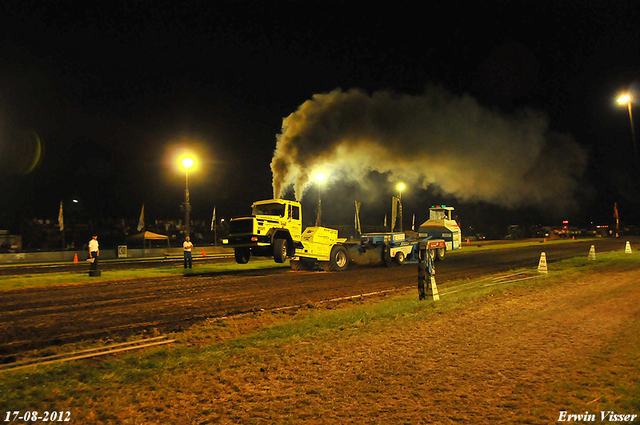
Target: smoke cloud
{"points": [[436, 139]]}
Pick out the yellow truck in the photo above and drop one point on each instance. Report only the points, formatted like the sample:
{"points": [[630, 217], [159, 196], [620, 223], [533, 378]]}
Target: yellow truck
{"points": [[274, 229]]}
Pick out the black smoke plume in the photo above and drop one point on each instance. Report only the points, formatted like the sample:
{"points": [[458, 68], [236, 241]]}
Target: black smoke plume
{"points": [[469, 151]]}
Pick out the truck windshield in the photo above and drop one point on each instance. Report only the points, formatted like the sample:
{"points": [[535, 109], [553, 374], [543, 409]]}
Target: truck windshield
{"points": [[269, 209], [437, 215]]}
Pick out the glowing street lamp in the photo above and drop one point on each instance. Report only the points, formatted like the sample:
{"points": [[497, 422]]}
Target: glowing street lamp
{"points": [[320, 177], [627, 99], [187, 163], [401, 187]]}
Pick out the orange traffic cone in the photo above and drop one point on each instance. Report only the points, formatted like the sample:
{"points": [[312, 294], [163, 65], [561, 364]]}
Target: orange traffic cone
{"points": [[203, 254], [75, 258]]}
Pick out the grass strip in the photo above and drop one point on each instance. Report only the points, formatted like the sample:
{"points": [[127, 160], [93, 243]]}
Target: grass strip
{"points": [[50, 279], [488, 246]]}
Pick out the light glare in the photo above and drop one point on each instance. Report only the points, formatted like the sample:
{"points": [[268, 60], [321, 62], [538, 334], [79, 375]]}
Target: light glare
{"points": [[187, 163], [623, 99]]}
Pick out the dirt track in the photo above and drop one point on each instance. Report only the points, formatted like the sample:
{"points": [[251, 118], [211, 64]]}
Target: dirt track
{"points": [[40, 317]]}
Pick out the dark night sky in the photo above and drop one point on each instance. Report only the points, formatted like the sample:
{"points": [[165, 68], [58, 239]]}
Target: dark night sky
{"points": [[112, 88]]}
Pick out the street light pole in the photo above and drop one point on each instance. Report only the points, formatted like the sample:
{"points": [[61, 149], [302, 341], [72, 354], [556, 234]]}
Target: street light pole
{"points": [[187, 163], [187, 204], [320, 178], [627, 99], [400, 189]]}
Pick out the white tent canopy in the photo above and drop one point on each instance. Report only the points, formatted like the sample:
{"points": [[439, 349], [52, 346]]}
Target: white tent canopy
{"points": [[147, 236]]}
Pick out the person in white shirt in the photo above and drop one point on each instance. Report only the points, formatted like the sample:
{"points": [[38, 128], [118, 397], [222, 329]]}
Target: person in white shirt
{"points": [[188, 246], [94, 252]]}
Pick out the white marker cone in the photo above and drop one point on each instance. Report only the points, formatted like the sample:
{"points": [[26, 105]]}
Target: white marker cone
{"points": [[627, 248], [592, 253], [542, 265], [432, 291]]}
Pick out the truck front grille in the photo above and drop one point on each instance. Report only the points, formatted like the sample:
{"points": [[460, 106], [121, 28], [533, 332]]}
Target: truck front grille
{"points": [[241, 226]]}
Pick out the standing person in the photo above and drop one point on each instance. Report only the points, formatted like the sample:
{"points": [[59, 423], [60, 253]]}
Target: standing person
{"points": [[94, 252], [188, 246]]}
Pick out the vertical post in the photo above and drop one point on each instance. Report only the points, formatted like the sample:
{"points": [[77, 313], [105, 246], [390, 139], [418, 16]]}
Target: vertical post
{"points": [[422, 273], [633, 131], [187, 205], [628, 99], [319, 217], [357, 220], [400, 209], [320, 177], [633, 135], [61, 224], [400, 189], [427, 287]]}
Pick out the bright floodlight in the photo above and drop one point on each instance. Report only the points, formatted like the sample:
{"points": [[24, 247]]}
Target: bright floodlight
{"points": [[623, 99], [320, 177], [401, 186], [187, 163]]}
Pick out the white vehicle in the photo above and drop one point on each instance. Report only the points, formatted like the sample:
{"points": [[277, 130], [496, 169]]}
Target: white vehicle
{"points": [[442, 225]]}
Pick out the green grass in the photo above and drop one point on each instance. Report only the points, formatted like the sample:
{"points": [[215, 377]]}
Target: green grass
{"points": [[486, 246], [49, 279]]}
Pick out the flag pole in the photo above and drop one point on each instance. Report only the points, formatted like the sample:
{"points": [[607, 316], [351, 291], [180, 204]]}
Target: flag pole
{"points": [[61, 224], [214, 227]]}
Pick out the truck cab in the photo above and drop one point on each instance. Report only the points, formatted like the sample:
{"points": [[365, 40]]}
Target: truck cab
{"points": [[274, 228], [278, 213]]}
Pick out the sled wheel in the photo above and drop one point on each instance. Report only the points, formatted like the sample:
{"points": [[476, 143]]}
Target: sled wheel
{"points": [[399, 258]]}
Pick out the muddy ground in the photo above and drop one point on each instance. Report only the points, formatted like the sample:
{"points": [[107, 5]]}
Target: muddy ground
{"points": [[35, 318]]}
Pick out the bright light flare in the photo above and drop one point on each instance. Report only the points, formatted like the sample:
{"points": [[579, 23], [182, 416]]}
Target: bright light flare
{"points": [[401, 187], [187, 163], [320, 177], [624, 99], [186, 156]]}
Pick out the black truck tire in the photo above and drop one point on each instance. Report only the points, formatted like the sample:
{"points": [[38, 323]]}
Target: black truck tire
{"points": [[242, 255], [387, 261], [339, 260], [280, 250], [296, 265], [441, 253], [302, 264]]}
